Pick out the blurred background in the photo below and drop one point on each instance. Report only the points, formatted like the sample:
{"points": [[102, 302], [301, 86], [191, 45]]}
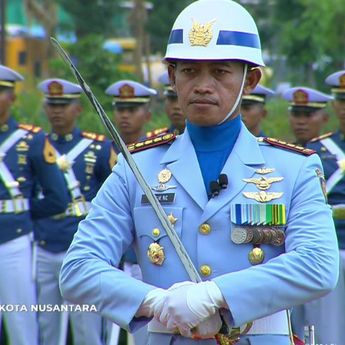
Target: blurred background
{"points": [[109, 40]]}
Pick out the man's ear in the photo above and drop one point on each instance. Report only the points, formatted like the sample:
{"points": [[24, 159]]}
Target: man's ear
{"points": [[171, 71], [252, 79]]}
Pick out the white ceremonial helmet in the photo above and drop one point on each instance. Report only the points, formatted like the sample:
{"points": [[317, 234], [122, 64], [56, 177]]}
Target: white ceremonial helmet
{"points": [[215, 30]]}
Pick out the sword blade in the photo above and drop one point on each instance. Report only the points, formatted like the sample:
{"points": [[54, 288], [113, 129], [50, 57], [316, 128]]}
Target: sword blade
{"points": [[175, 240]]}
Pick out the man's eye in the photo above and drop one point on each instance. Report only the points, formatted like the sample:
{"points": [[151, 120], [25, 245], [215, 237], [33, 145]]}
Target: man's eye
{"points": [[187, 70]]}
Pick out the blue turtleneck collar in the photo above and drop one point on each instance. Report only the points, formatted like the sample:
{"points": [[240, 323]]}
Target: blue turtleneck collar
{"points": [[215, 138], [213, 146]]}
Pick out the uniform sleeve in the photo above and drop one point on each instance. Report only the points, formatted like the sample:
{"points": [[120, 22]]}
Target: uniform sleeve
{"points": [[89, 272], [50, 178], [106, 161], [308, 269]]}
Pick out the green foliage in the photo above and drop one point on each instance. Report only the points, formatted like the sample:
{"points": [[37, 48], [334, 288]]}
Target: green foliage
{"points": [[90, 16], [161, 19], [99, 69]]}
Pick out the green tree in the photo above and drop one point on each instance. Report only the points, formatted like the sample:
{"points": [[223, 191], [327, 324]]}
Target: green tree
{"points": [[161, 20], [99, 69], [92, 17]]}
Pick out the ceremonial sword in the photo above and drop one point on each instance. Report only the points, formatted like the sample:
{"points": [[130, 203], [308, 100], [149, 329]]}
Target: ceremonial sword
{"points": [[175, 240]]}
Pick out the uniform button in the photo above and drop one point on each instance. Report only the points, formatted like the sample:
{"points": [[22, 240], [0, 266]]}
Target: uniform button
{"points": [[42, 243], [156, 232], [19, 231], [205, 228], [205, 270]]}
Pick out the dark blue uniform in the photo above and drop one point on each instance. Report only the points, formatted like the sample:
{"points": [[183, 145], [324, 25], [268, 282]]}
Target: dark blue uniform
{"points": [[26, 157], [91, 167], [27, 163]]}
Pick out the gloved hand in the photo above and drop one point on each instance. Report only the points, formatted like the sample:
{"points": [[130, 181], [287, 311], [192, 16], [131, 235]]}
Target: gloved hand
{"points": [[188, 304], [152, 301], [205, 329]]}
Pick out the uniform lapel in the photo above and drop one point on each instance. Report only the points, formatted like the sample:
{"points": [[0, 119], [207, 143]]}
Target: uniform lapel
{"points": [[182, 161], [244, 159]]}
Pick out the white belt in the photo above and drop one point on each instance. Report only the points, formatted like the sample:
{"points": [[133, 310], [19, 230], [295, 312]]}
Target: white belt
{"points": [[273, 324], [15, 205]]}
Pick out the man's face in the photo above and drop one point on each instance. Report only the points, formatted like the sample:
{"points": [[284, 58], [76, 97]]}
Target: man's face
{"points": [[207, 90], [174, 112], [131, 120], [252, 115], [307, 125], [62, 117], [7, 98]]}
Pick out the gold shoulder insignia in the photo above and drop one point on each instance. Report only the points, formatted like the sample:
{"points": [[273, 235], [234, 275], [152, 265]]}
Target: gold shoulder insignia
{"points": [[49, 152], [287, 146], [93, 136], [30, 128], [156, 132], [323, 136], [155, 141]]}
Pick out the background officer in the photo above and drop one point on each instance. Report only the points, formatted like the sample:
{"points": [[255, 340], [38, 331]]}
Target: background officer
{"points": [[307, 112], [86, 160], [249, 271], [26, 157], [131, 104], [253, 109], [327, 313], [173, 110]]}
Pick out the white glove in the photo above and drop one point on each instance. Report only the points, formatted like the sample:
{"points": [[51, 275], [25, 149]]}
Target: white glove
{"points": [[205, 329], [187, 304], [151, 302]]}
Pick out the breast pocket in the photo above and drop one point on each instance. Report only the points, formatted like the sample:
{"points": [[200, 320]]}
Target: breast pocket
{"points": [[150, 232]]}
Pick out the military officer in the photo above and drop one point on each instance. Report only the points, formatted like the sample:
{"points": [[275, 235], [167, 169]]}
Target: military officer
{"points": [[131, 104], [172, 108], [307, 112], [327, 313], [253, 109], [262, 239], [26, 157], [86, 160]]}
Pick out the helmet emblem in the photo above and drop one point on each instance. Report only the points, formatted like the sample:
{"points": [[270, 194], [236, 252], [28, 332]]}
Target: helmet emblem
{"points": [[201, 35]]}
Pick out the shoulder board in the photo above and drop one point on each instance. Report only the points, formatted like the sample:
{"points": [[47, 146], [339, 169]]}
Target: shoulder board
{"points": [[156, 132], [287, 146], [93, 136], [30, 128], [323, 136], [147, 144]]}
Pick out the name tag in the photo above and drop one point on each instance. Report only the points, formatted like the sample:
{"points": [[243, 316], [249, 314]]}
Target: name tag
{"points": [[163, 198]]}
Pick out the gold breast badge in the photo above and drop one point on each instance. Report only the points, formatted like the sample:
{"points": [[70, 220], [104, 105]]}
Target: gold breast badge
{"points": [[172, 218], [263, 196], [256, 256], [263, 183], [164, 176], [156, 254]]}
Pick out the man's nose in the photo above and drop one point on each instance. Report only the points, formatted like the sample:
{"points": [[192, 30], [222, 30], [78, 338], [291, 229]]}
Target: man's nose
{"points": [[204, 83]]}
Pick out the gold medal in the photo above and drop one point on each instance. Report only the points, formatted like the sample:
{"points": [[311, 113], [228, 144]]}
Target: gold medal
{"points": [[156, 253], [256, 256], [164, 176]]}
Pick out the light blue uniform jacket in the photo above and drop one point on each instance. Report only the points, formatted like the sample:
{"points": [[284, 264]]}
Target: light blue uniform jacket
{"points": [[306, 268]]}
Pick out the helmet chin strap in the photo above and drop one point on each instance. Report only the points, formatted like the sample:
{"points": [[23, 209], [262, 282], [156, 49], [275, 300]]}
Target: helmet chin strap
{"points": [[245, 69]]}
